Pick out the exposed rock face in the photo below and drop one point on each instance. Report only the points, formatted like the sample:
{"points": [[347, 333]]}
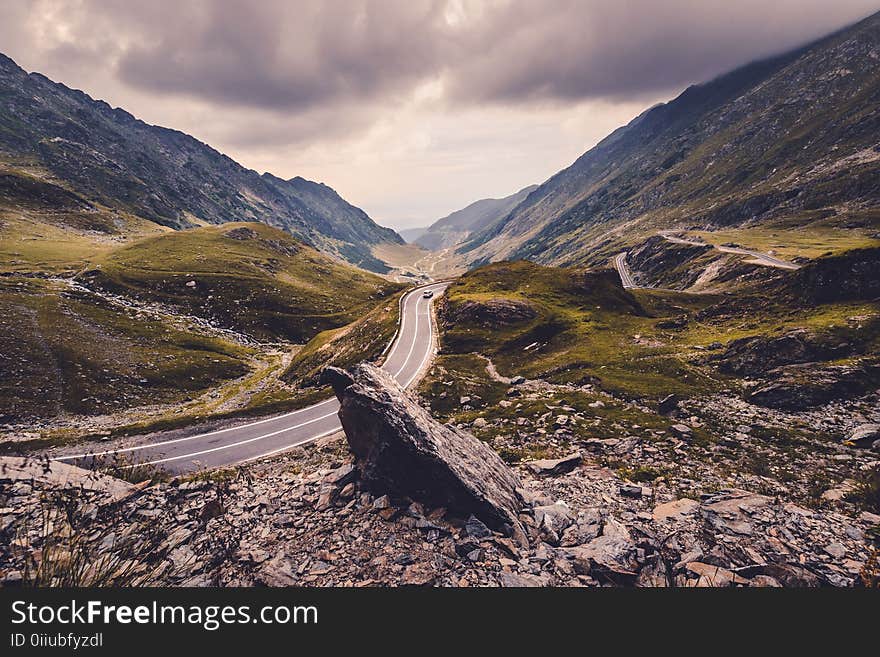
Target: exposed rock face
{"points": [[492, 313], [402, 451], [803, 386], [754, 356]]}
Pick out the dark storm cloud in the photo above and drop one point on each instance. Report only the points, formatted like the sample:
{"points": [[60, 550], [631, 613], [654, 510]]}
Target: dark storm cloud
{"points": [[294, 55], [576, 49], [351, 58], [289, 55]]}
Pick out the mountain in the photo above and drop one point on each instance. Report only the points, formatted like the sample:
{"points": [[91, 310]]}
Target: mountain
{"points": [[456, 227], [790, 142], [410, 235], [97, 155]]}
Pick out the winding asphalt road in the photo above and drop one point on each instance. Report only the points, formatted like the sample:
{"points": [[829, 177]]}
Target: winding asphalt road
{"points": [[623, 271], [406, 361], [759, 258]]}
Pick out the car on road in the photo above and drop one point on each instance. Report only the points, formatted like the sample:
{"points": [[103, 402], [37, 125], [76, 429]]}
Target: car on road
{"points": [[427, 294]]}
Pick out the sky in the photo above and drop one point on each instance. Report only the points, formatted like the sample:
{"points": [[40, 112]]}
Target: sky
{"points": [[410, 109]]}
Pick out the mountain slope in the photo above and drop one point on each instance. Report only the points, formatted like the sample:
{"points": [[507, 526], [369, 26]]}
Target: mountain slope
{"points": [[456, 227], [106, 156], [788, 141]]}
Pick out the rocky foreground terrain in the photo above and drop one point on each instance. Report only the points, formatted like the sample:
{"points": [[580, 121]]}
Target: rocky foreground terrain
{"points": [[369, 512]]}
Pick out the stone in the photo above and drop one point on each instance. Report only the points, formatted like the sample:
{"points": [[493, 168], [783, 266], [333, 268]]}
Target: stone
{"points": [[731, 510], [475, 528], [400, 449], [479, 423], [714, 576], [630, 490], [682, 431], [190, 283], [586, 527], [676, 510], [342, 476], [864, 435], [610, 556], [517, 380], [548, 467], [836, 550], [553, 519], [668, 404], [517, 580], [382, 502]]}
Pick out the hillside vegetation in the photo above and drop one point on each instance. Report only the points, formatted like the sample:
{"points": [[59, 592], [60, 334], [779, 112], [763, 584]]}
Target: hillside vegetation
{"points": [[103, 330]]}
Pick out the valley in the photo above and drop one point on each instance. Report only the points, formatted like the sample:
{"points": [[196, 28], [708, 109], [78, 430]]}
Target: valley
{"points": [[658, 367]]}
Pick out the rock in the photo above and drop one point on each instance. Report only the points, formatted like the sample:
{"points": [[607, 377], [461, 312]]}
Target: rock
{"points": [[400, 449], [515, 580], [342, 476], [418, 574], [56, 474], [475, 528], [191, 284], [714, 576], [560, 420], [547, 467], [517, 380], [764, 581], [464, 400], [836, 550], [586, 527], [682, 431], [630, 490], [800, 387], [864, 435], [382, 502], [609, 557], [479, 423], [553, 519], [675, 510], [731, 510], [668, 404]]}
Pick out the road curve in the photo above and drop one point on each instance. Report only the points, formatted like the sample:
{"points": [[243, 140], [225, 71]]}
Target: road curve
{"points": [[625, 277], [406, 360], [758, 257]]}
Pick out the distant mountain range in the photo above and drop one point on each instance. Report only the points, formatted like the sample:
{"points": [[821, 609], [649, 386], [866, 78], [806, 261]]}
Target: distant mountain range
{"points": [[410, 235], [53, 135], [458, 226], [790, 142]]}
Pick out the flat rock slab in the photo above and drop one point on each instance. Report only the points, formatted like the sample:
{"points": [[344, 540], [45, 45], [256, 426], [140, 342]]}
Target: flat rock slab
{"points": [[675, 510], [60, 475], [402, 451], [549, 467]]}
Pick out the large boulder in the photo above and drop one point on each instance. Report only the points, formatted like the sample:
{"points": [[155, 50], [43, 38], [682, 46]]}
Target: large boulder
{"points": [[401, 450]]}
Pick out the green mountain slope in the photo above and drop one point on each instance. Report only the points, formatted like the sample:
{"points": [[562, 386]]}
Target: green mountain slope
{"points": [[104, 156], [789, 142]]}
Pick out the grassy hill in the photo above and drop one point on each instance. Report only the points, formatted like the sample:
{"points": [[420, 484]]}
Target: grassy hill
{"points": [[581, 327], [245, 276], [116, 326]]}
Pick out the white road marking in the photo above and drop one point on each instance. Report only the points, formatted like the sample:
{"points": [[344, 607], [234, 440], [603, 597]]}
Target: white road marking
{"points": [[201, 435], [237, 444], [305, 440], [413, 345]]}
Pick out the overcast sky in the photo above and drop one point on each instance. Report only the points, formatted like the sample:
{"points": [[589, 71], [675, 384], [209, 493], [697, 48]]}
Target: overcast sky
{"points": [[409, 108]]}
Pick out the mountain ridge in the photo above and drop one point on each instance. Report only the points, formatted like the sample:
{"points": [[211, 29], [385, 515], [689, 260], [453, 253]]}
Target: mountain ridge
{"points": [[106, 155], [736, 149], [459, 225]]}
